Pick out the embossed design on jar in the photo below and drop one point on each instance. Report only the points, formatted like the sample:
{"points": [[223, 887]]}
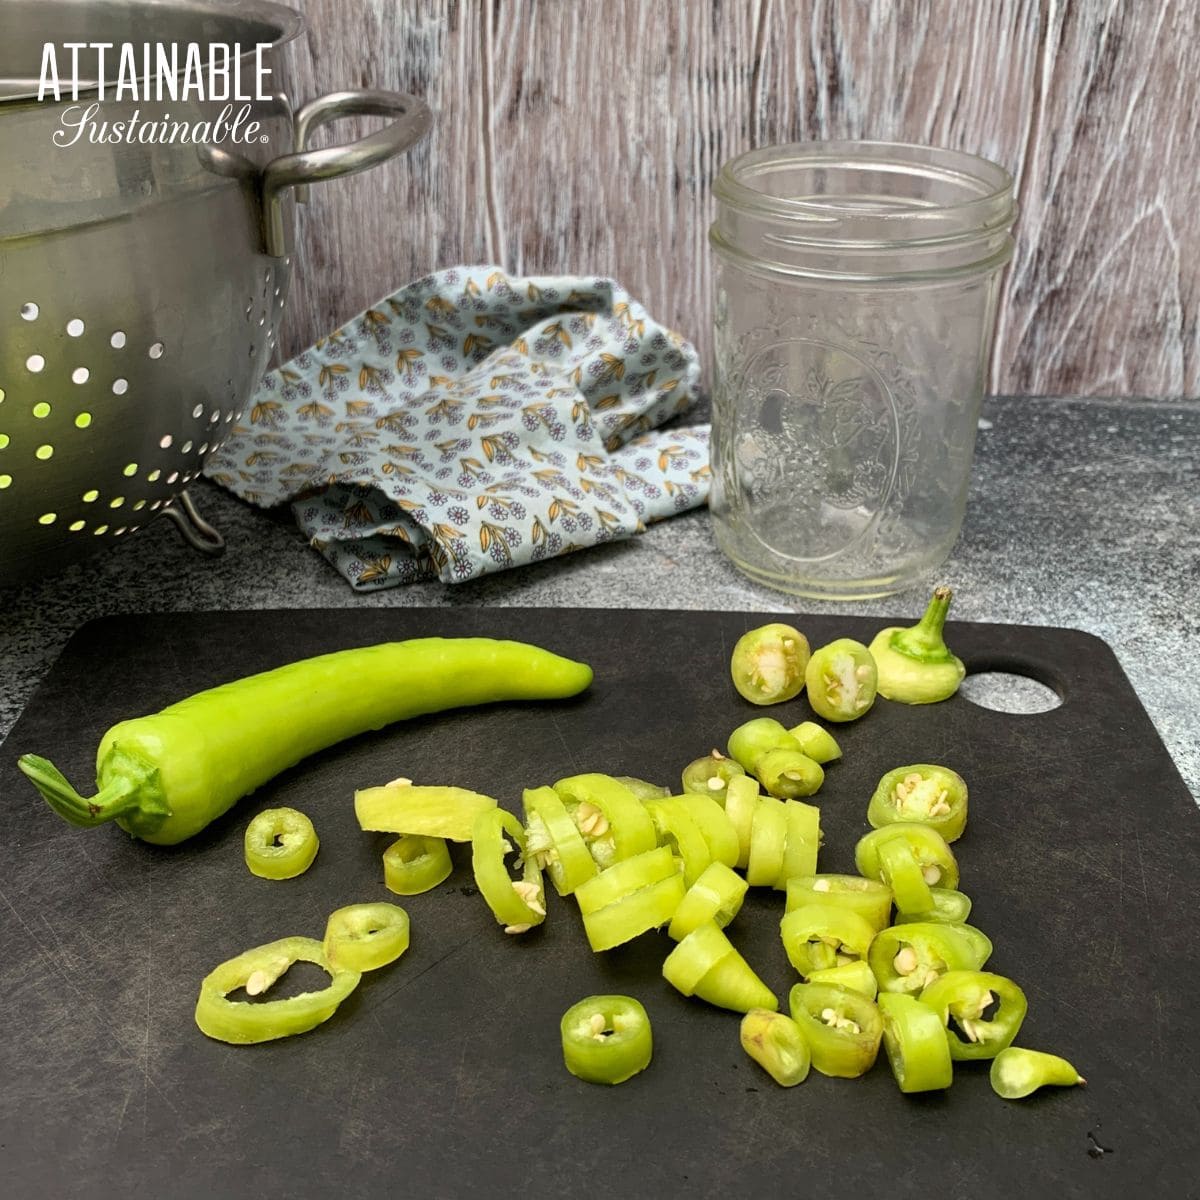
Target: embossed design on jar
{"points": [[814, 461]]}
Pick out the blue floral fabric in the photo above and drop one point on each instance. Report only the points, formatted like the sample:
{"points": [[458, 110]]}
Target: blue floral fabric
{"points": [[471, 422]]}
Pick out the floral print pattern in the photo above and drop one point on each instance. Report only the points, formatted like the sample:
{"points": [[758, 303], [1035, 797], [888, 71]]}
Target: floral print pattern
{"points": [[472, 422]]}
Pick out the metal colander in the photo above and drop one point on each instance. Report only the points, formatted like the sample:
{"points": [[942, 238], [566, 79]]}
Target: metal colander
{"points": [[142, 286]]}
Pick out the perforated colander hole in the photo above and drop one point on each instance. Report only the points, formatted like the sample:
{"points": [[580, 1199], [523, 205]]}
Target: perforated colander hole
{"points": [[117, 341], [186, 448], [118, 532], [75, 327], [165, 441], [44, 452], [154, 476], [76, 526], [155, 505], [228, 417], [130, 469], [41, 410], [3, 440], [120, 386], [116, 502], [100, 529], [278, 293], [47, 518], [80, 375], [35, 363], [1, 395], [198, 411], [174, 475], [156, 350], [83, 420], [5, 481], [203, 448], [29, 311], [138, 505], [214, 416], [91, 496]]}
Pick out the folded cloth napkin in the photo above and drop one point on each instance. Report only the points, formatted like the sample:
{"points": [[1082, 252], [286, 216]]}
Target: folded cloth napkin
{"points": [[472, 422]]}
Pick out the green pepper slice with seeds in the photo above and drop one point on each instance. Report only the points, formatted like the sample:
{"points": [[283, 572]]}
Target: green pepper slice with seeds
{"points": [[710, 775], [606, 1039], [767, 664], [788, 774], [908, 958], [933, 856], [924, 793], [280, 843], [856, 976], [609, 815], [841, 680], [819, 936], [413, 864], [241, 1023], [961, 1000], [553, 840], [843, 1028], [517, 904], [914, 1040], [949, 907]]}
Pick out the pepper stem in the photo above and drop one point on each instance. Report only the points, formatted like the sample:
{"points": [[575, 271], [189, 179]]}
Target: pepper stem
{"points": [[116, 798], [923, 641]]}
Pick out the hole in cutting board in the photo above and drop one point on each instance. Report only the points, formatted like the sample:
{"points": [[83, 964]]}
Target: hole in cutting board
{"points": [[1009, 692]]}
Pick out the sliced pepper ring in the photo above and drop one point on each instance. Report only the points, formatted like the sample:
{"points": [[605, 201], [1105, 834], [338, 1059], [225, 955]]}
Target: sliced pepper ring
{"points": [[518, 905], [802, 841], [870, 898], [413, 864], [915, 1042], [606, 1039], [705, 964], [716, 896], [819, 936], [636, 913], [624, 878], [714, 824], [768, 840], [241, 1023], [741, 801], [365, 937], [609, 815], [677, 828], [908, 958], [949, 907], [939, 868], [962, 997], [280, 843], [553, 840], [843, 1028], [924, 793]]}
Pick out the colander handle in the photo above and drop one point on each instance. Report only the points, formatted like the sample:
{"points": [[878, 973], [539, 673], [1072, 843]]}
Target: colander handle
{"points": [[309, 166]]}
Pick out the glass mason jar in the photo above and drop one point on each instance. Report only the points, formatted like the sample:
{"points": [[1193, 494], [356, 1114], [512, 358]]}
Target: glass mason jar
{"points": [[856, 289]]}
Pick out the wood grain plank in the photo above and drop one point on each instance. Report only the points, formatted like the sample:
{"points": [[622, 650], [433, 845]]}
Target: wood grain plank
{"points": [[584, 136]]}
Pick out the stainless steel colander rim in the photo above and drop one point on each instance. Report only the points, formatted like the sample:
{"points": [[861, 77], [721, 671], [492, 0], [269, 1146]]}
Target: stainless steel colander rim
{"points": [[286, 24]]}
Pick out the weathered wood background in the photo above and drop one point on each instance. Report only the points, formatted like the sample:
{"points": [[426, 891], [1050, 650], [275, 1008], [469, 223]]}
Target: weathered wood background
{"points": [[584, 135]]}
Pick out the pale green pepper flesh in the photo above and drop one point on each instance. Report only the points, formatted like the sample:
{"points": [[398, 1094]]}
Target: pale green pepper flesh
{"points": [[841, 680], [924, 793], [365, 937], [869, 898], [710, 775], [843, 1028], [776, 1043], [1016, 1072], [606, 1039], [280, 843], [915, 665], [767, 665], [962, 998], [915, 1043], [413, 864]]}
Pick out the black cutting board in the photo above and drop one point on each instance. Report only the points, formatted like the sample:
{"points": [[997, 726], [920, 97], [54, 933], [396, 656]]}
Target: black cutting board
{"points": [[442, 1075]]}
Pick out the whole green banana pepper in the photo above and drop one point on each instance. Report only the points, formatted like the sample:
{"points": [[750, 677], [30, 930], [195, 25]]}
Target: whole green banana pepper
{"points": [[164, 777]]}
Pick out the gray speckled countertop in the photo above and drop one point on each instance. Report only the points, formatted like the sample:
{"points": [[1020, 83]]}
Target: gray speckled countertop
{"points": [[1081, 513]]}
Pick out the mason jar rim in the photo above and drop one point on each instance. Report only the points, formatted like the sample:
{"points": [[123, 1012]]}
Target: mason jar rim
{"points": [[988, 204]]}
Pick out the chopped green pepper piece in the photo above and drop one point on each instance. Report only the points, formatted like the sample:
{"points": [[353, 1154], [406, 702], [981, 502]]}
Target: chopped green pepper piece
{"points": [[554, 841], [856, 976], [768, 664], [841, 680], [710, 775], [641, 789], [775, 1042], [705, 964], [716, 896], [908, 958], [624, 878], [938, 866], [915, 665], [819, 936], [961, 998], [677, 827], [714, 824], [365, 937], [606, 1039], [413, 864], [768, 841], [899, 869], [924, 793], [241, 1023], [280, 843], [752, 739], [842, 1027], [164, 777], [949, 907], [401, 807], [741, 802], [789, 774], [637, 913], [1017, 1072], [869, 898], [817, 743], [610, 817], [802, 841], [518, 905], [915, 1042]]}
